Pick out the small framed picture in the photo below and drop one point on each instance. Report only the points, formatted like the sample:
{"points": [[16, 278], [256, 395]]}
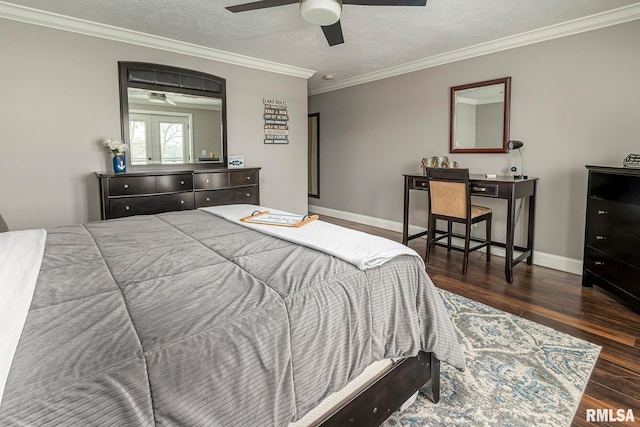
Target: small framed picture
{"points": [[236, 162]]}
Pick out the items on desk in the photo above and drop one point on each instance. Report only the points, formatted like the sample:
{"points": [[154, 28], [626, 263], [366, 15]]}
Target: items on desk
{"points": [[517, 145], [437, 162]]}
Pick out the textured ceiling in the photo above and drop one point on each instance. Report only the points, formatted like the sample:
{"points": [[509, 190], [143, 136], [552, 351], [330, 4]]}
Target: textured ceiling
{"points": [[376, 37]]}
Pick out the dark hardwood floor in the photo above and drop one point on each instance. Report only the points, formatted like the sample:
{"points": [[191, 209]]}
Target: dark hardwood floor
{"points": [[555, 299]]}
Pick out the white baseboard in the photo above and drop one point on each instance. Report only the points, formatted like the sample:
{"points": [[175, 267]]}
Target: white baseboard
{"points": [[543, 259]]}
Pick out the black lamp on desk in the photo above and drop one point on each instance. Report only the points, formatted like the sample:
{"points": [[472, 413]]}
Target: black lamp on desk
{"points": [[513, 145]]}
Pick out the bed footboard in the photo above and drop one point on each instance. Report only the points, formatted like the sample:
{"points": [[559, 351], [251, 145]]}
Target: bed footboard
{"points": [[377, 400]]}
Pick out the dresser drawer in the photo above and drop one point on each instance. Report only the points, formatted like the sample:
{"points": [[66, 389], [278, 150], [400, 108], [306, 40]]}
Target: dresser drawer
{"points": [[211, 180], [229, 196], [237, 178], [614, 271], [146, 205], [171, 183], [609, 240], [624, 216], [130, 185]]}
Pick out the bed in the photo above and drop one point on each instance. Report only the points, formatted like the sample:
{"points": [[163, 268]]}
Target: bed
{"points": [[191, 318]]}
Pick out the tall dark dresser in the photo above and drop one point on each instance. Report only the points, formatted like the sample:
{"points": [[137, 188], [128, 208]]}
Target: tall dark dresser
{"points": [[612, 235]]}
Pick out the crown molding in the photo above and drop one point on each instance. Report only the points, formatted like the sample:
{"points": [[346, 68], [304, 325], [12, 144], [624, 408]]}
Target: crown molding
{"points": [[576, 26], [81, 26]]}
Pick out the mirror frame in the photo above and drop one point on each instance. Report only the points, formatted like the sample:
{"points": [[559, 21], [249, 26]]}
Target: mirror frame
{"points": [[310, 118], [506, 116], [143, 75]]}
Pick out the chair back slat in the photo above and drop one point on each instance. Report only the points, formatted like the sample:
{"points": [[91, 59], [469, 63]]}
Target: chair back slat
{"points": [[448, 198], [449, 192]]}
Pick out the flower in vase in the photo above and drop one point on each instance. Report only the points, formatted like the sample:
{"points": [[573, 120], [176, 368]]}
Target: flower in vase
{"points": [[115, 146]]}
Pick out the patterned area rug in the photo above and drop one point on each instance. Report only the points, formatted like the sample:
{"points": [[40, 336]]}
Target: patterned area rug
{"points": [[519, 373]]}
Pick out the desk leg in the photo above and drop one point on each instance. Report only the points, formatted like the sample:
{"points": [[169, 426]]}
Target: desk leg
{"points": [[405, 219], [532, 220], [508, 259]]}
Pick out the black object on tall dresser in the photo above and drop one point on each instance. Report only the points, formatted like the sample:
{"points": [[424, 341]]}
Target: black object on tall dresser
{"points": [[612, 235], [145, 193]]}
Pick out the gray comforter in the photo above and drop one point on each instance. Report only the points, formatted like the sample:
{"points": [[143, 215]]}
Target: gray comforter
{"points": [[187, 319]]}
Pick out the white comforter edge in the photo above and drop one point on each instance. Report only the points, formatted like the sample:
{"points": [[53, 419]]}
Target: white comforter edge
{"points": [[20, 259], [355, 247]]}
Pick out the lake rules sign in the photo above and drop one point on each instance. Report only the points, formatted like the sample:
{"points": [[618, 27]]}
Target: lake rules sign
{"points": [[276, 121]]}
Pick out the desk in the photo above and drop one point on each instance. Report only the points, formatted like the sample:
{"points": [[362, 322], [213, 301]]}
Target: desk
{"points": [[502, 187]]}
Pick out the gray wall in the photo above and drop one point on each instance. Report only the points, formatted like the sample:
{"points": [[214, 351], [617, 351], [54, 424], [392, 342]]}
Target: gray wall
{"points": [[575, 101], [60, 99], [489, 124]]}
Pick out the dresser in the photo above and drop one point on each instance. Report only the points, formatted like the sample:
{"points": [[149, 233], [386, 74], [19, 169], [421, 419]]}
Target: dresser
{"points": [[612, 232], [145, 193]]}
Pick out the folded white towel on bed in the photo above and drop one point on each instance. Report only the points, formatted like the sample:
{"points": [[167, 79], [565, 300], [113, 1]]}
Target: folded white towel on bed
{"points": [[355, 247], [20, 259]]}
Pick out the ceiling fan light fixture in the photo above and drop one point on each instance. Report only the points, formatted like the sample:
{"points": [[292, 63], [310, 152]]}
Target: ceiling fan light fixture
{"points": [[321, 12]]}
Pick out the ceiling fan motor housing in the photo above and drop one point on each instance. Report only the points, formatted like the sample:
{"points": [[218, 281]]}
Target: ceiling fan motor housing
{"points": [[321, 12]]}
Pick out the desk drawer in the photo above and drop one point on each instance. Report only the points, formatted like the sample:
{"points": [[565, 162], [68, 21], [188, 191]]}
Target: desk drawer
{"points": [[420, 183], [484, 189]]}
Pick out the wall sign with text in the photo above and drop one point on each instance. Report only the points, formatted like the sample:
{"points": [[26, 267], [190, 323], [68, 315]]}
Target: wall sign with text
{"points": [[276, 121]]}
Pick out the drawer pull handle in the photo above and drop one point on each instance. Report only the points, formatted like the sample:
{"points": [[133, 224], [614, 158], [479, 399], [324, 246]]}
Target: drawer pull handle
{"points": [[126, 208], [208, 199], [601, 237], [182, 202], [248, 178], [206, 180], [248, 195], [599, 263], [182, 182], [479, 189], [126, 186], [602, 212], [423, 184]]}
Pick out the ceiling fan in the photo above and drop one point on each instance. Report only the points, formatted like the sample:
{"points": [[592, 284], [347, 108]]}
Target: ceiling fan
{"points": [[325, 13]]}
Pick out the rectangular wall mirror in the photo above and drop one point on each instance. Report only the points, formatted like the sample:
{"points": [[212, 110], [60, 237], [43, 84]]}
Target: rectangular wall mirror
{"points": [[313, 151], [479, 117], [172, 117]]}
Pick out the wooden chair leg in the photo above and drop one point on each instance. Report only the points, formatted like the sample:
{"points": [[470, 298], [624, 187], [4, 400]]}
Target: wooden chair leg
{"points": [[467, 239], [488, 237], [450, 234], [431, 234]]}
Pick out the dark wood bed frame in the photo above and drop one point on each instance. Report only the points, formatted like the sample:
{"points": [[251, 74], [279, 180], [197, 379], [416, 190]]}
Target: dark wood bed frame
{"points": [[378, 399]]}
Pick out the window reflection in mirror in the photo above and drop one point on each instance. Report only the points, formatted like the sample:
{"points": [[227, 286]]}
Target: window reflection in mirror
{"points": [[174, 128], [480, 117]]}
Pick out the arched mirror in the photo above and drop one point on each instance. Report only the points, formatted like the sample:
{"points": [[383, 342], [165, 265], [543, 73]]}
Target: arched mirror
{"points": [[479, 118], [172, 116]]}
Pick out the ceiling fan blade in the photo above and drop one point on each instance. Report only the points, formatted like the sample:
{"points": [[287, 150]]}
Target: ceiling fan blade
{"points": [[386, 2], [333, 33], [262, 4]]}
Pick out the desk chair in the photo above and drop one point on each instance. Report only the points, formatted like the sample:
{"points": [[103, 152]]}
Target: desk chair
{"points": [[450, 200]]}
